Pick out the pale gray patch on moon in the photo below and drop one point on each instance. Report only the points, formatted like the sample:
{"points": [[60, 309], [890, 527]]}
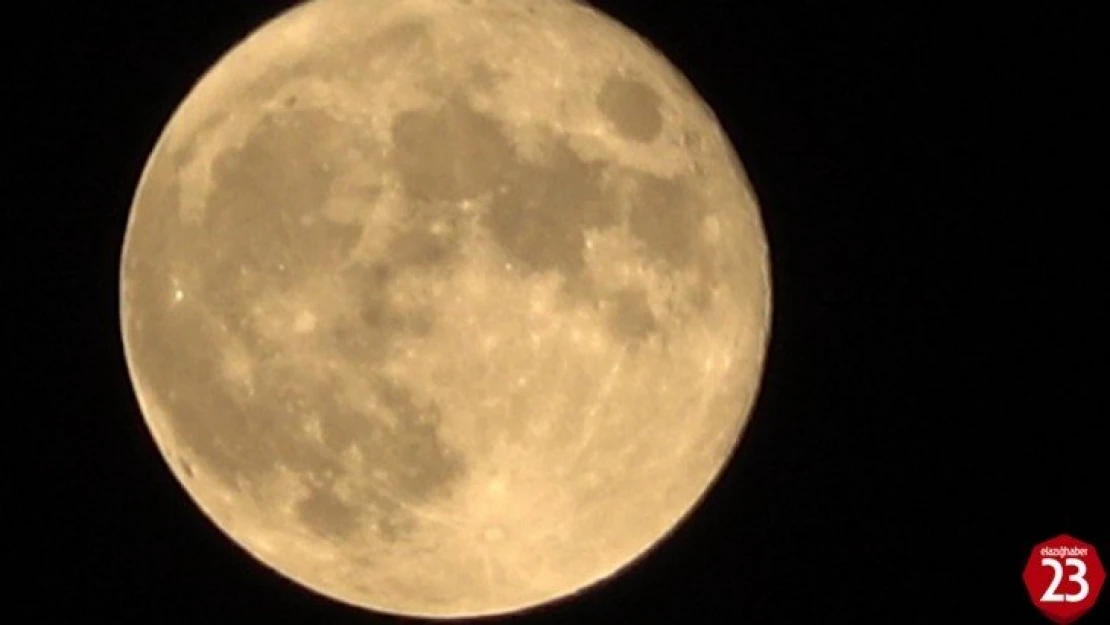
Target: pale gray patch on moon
{"points": [[631, 315], [450, 154], [632, 107], [426, 343]]}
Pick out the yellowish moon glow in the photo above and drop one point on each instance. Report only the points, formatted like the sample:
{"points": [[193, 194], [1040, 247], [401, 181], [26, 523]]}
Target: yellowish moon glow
{"points": [[445, 308]]}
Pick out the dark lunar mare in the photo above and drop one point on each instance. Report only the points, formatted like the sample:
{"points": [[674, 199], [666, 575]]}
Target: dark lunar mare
{"points": [[539, 212], [252, 225]]}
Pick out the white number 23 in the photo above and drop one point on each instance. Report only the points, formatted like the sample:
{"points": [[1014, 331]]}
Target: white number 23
{"points": [[1050, 594]]}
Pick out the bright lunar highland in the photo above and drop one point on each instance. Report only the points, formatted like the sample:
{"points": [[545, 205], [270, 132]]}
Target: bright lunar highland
{"points": [[445, 308]]}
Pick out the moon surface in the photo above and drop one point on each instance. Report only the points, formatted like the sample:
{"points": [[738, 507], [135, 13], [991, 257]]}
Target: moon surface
{"points": [[445, 308]]}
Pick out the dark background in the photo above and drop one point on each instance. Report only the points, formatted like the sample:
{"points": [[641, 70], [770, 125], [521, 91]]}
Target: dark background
{"points": [[929, 407]]}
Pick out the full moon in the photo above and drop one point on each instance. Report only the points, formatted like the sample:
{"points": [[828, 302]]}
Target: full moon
{"points": [[445, 308]]}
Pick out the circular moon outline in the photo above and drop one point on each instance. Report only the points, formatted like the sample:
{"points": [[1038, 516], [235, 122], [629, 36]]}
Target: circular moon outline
{"points": [[445, 308]]}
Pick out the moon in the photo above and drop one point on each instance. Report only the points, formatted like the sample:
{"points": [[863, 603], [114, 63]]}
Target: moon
{"points": [[445, 308]]}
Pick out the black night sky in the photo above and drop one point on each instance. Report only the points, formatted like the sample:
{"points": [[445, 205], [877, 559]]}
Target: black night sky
{"points": [[928, 412]]}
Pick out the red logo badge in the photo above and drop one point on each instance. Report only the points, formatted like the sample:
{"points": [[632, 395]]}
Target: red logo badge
{"points": [[1064, 576]]}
